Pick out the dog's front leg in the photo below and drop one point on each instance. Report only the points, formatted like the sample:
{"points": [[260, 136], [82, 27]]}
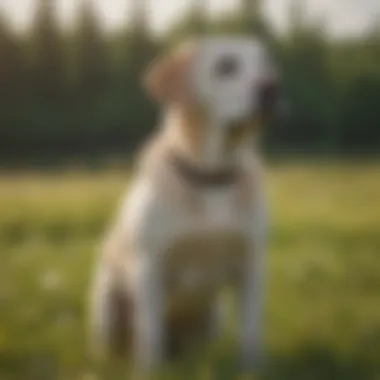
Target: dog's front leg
{"points": [[252, 298], [150, 313]]}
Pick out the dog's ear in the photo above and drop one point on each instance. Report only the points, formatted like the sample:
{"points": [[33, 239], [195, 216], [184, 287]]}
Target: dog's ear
{"points": [[167, 78]]}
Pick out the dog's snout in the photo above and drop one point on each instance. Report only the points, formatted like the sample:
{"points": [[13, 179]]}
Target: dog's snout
{"points": [[268, 95]]}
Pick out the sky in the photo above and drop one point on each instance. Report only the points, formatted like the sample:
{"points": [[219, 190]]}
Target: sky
{"points": [[343, 17]]}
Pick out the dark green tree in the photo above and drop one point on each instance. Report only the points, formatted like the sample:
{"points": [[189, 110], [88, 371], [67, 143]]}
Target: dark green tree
{"points": [[140, 50], [254, 23], [12, 86], [360, 113], [252, 17], [297, 19], [140, 45], [308, 85], [11, 63], [193, 23], [91, 53], [49, 66], [360, 117], [198, 17]]}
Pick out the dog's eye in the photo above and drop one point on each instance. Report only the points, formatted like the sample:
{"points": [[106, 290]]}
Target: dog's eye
{"points": [[226, 67]]}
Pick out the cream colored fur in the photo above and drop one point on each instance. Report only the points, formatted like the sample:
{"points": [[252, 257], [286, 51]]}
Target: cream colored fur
{"points": [[172, 247]]}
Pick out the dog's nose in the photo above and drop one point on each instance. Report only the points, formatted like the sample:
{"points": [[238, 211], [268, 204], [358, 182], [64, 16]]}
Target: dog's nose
{"points": [[268, 96]]}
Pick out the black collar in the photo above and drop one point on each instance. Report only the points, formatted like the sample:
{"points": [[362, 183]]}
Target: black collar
{"points": [[199, 177]]}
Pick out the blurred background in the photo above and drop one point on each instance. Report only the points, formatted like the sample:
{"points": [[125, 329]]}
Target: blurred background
{"points": [[73, 112], [71, 70]]}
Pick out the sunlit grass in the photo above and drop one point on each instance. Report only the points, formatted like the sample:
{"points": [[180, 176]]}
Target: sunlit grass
{"points": [[323, 314]]}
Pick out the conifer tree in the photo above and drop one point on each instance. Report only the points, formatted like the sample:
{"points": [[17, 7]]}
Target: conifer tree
{"points": [[198, 20], [91, 52], [252, 16], [140, 51], [140, 46], [49, 74], [11, 62]]}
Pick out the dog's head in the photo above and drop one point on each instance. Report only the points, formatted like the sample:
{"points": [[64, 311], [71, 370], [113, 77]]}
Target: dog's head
{"points": [[232, 79]]}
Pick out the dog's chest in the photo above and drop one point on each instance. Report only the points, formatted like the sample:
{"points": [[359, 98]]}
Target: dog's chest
{"points": [[209, 248], [204, 260], [219, 209]]}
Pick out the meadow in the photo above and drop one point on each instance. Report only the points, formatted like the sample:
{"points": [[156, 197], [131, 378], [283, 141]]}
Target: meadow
{"points": [[323, 312]]}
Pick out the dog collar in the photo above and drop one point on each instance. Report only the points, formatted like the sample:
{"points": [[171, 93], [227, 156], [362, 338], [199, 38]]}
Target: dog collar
{"points": [[203, 177]]}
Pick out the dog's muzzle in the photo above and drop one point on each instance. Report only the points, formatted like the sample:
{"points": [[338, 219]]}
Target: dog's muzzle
{"points": [[266, 105], [268, 99]]}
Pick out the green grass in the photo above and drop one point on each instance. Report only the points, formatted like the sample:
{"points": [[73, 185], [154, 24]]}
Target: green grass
{"points": [[323, 314]]}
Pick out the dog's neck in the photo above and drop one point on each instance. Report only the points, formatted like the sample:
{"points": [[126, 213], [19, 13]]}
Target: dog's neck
{"points": [[203, 143]]}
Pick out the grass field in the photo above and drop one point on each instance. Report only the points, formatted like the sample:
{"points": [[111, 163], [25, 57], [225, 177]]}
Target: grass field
{"points": [[323, 315]]}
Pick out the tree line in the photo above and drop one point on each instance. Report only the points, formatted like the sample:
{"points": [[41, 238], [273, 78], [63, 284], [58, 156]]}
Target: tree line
{"points": [[78, 91]]}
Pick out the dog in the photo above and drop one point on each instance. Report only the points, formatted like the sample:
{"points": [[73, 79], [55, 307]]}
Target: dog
{"points": [[195, 218]]}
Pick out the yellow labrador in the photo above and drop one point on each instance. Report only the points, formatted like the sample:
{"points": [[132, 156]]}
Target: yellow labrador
{"points": [[195, 217]]}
